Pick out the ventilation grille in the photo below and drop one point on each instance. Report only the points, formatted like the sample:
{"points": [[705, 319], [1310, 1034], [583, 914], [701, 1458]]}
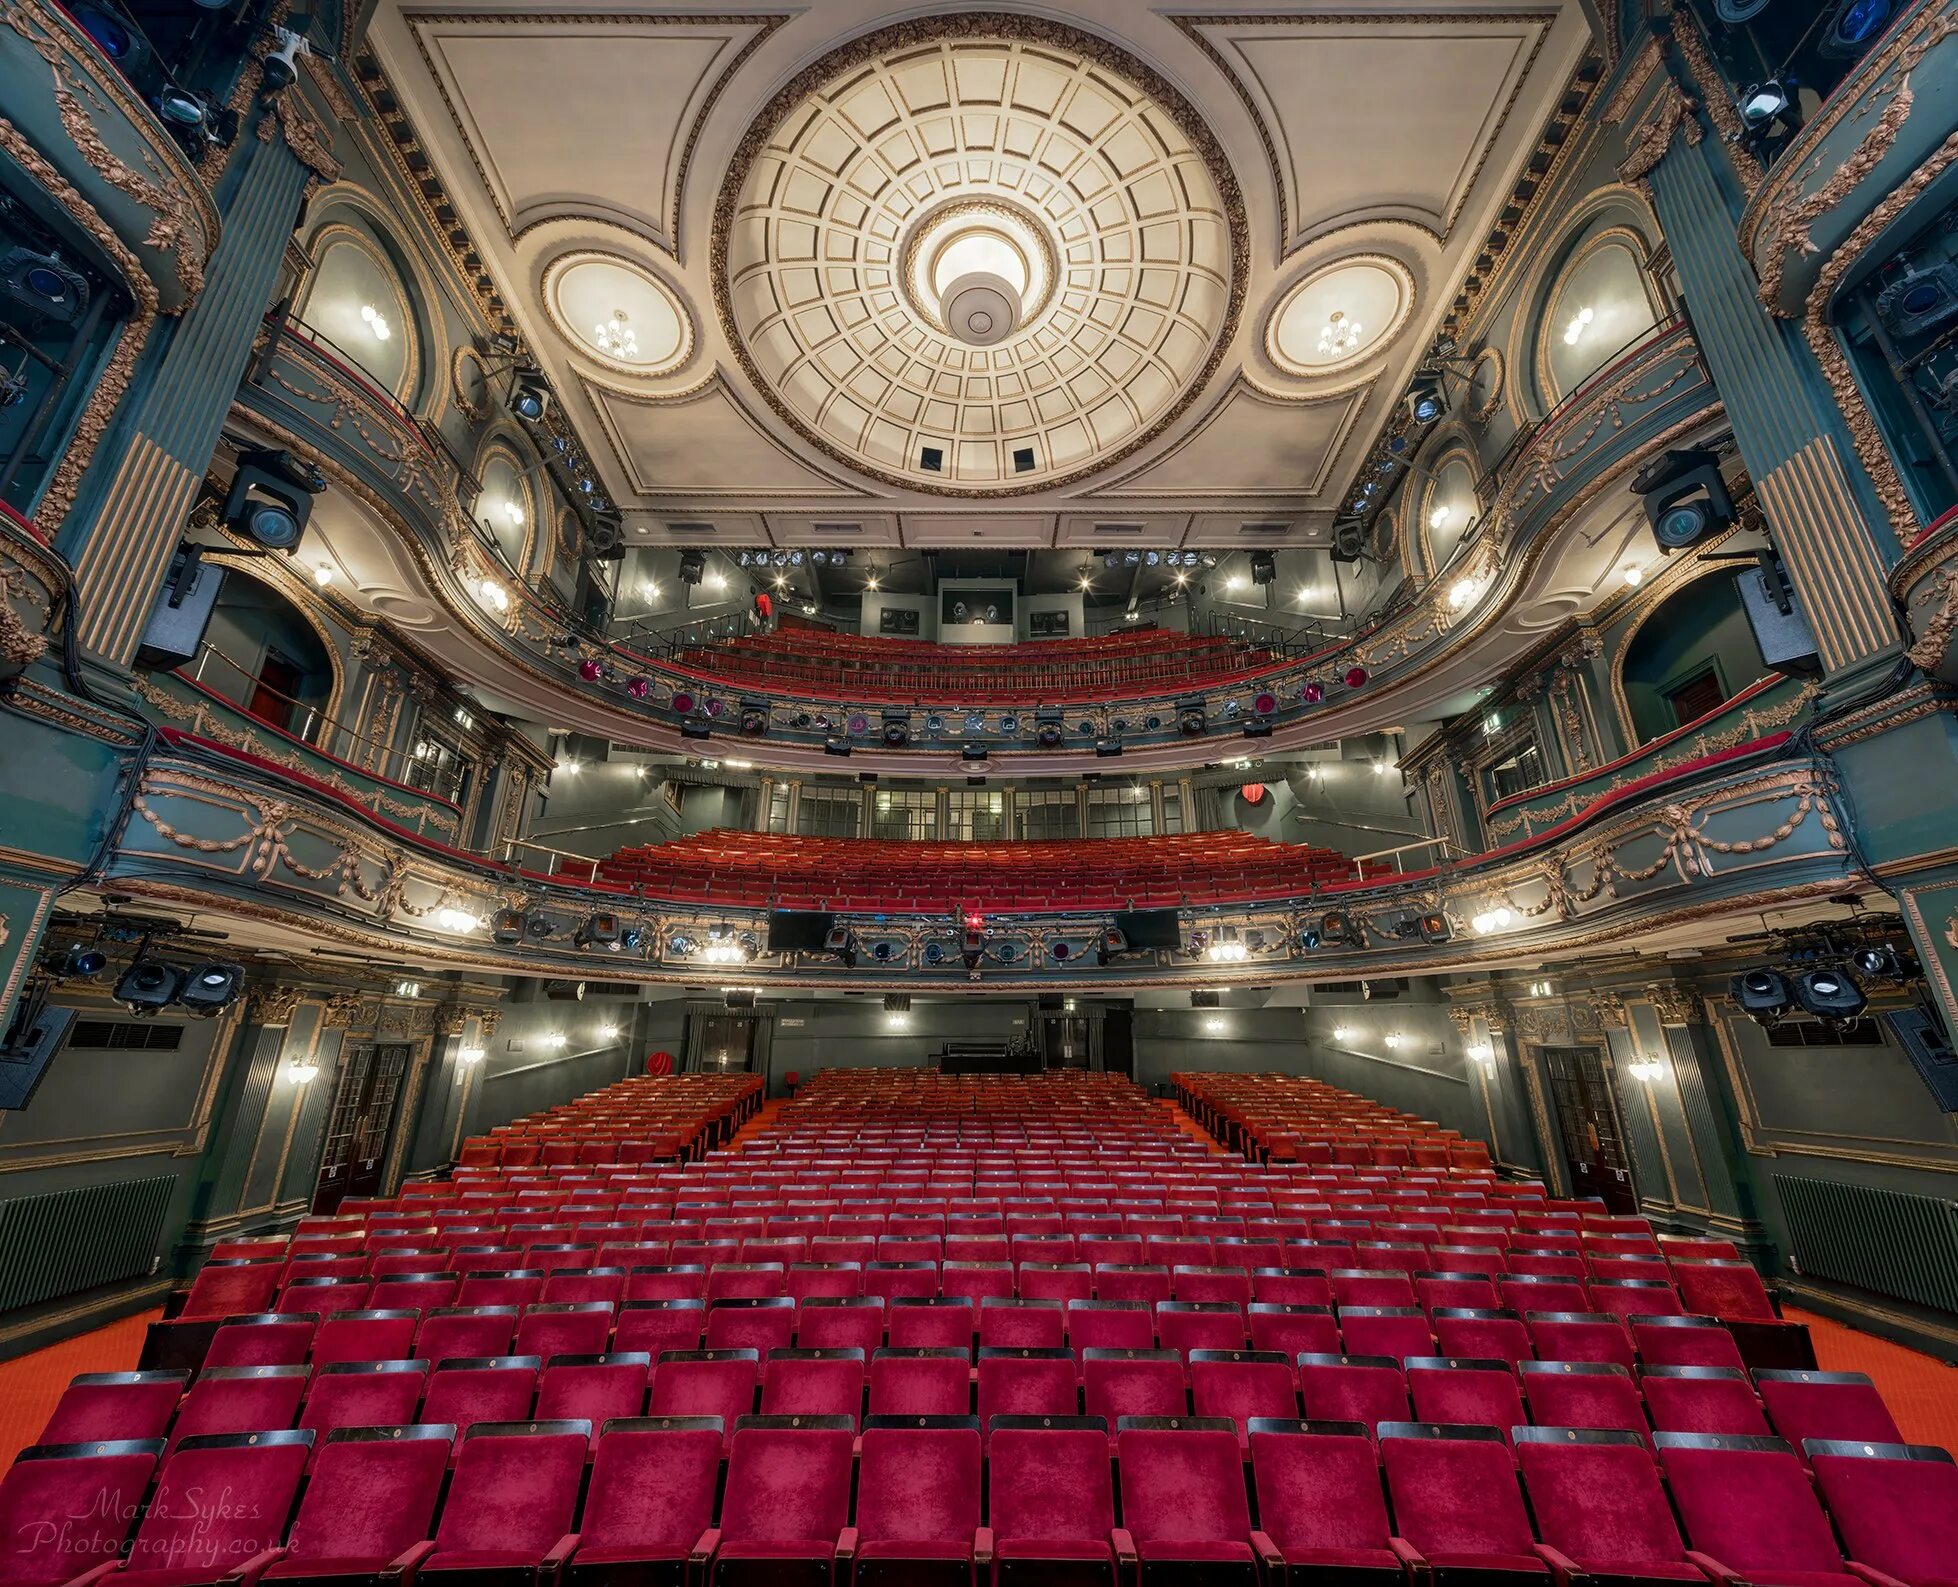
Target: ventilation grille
{"points": [[71, 1240], [1879, 1240], [114, 1035]]}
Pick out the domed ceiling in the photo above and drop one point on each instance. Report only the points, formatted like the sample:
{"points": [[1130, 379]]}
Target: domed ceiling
{"points": [[952, 278], [971, 263]]}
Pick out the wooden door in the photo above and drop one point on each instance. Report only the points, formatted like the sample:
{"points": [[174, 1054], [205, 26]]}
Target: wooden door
{"points": [[1587, 1120], [365, 1101]]}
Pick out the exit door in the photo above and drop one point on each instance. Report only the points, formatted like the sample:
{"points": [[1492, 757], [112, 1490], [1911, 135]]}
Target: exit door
{"points": [[1064, 1041], [365, 1100], [1587, 1119]]}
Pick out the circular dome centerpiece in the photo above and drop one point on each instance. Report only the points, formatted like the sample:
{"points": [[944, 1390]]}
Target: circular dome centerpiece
{"points": [[979, 254]]}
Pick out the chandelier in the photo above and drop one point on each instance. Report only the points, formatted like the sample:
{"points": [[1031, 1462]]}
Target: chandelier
{"points": [[1339, 335], [615, 338]]}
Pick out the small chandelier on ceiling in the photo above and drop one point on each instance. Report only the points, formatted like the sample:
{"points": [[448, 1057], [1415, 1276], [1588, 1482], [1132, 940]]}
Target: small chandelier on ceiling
{"points": [[615, 338], [1339, 335]]}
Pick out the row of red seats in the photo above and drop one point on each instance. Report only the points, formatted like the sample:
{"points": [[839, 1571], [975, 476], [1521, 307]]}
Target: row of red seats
{"points": [[652, 1499], [643, 1119]]}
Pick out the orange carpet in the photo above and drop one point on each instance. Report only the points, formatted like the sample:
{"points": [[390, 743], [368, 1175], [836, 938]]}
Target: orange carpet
{"points": [[30, 1384], [764, 1117], [1921, 1391]]}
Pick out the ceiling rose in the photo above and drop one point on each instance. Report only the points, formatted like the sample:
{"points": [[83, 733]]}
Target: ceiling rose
{"points": [[979, 254], [613, 310], [1340, 314]]}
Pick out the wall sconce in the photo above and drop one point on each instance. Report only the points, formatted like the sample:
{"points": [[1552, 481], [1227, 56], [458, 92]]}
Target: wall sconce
{"points": [[1343, 1033], [302, 1071], [469, 1055], [608, 1033], [1482, 1052], [557, 1040], [1393, 1038], [1646, 1068]]}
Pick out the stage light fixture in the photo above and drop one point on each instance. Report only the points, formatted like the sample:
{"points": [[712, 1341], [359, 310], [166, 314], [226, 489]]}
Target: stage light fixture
{"points": [[537, 926], [271, 497], [1852, 27], [149, 986], [209, 989], [836, 746], [1191, 717], [972, 752], [1264, 567], [754, 718], [1356, 677], [598, 930], [1257, 727], [564, 992], [1335, 927], [1762, 995], [80, 964], [1312, 693], [1309, 938], [1433, 927], [897, 729], [1047, 729], [1107, 748], [972, 945], [507, 927], [1829, 992], [693, 728], [1883, 962], [1685, 498], [1114, 942], [693, 567], [1426, 400]]}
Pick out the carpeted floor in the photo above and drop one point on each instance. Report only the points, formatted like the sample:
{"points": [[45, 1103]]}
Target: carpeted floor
{"points": [[30, 1384], [1921, 1391]]}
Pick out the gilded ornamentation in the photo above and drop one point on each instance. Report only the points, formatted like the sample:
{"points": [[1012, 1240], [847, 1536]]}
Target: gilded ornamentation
{"points": [[343, 1009], [1675, 1004], [310, 140], [1671, 113], [272, 1005], [1719, 106], [1637, 75]]}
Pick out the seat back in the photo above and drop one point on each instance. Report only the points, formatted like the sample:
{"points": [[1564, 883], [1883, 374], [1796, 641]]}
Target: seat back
{"points": [[1026, 1382], [932, 1382], [596, 1388], [363, 1394], [465, 1390], [1723, 1289], [1828, 1405], [1597, 1497], [652, 1483], [918, 1479], [1583, 1394], [1895, 1504], [66, 1508], [515, 1488], [239, 1400], [813, 1383], [1237, 1385], [1702, 1400], [1118, 1383], [1454, 1489], [372, 1493], [231, 1289], [919, 1323], [258, 1473], [1050, 1479], [1665, 1341], [270, 1339], [466, 1331], [1465, 1391], [1347, 1388], [1182, 1479], [372, 1334], [1293, 1328], [1748, 1503], [114, 1407], [1318, 1484], [840, 1323], [788, 1479], [705, 1383], [655, 1326]]}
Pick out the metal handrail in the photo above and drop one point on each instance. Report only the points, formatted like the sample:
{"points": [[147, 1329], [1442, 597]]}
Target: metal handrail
{"points": [[1447, 845]]}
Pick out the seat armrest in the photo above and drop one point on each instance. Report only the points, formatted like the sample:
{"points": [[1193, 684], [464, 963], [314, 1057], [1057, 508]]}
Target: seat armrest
{"points": [[1408, 1555], [1872, 1575], [704, 1547], [846, 1545], [1714, 1568], [1124, 1546], [253, 1568], [983, 1547], [106, 1568], [1267, 1552], [409, 1560], [551, 1566], [1562, 1566]]}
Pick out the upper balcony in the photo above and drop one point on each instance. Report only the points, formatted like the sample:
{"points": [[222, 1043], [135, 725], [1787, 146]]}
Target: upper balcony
{"points": [[75, 120], [482, 621], [1657, 846]]}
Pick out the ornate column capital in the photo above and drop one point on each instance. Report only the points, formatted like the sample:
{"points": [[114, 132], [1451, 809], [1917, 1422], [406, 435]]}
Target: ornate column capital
{"points": [[342, 1009], [1675, 1004], [272, 1005], [1612, 1010]]}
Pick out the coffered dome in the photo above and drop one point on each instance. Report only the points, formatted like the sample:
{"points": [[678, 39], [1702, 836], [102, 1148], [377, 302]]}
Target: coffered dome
{"points": [[978, 255]]}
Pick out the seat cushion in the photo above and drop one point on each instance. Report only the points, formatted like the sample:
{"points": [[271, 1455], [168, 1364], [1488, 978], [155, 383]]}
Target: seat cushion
{"points": [[627, 1554], [1641, 1570], [784, 1548], [1524, 1564], [1384, 1559], [897, 1548], [1205, 1550], [1053, 1548], [479, 1559]]}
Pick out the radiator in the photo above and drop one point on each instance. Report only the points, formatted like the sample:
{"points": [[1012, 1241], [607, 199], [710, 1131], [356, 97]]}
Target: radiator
{"points": [[1880, 1240], [69, 1240]]}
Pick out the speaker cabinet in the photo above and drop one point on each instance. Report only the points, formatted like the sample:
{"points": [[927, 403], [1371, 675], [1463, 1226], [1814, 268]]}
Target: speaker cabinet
{"points": [[1929, 1049], [24, 1058], [1787, 642], [182, 611]]}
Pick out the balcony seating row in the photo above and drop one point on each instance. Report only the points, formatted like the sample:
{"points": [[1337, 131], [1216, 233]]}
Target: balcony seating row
{"points": [[818, 664], [795, 871]]}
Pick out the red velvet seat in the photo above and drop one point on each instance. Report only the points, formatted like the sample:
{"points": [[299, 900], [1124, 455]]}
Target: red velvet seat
{"points": [[920, 1382], [705, 1383], [1600, 1508], [1749, 1511], [656, 1326], [1703, 1400], [1896, 1506], [186, 1537], [839, 1323], [918, 1502], [270, 1339], [786, 1514], [466, 1331], [927, 1323], [1456, 1501], [66, 1507], [649, 1509], [1348, 1388], [1827, 1405], [1183, 1499], [1584, 1394], [1397, 1331], [1051, 1503], [760, 1325], [1320, 1503], [813, 1383], [368, 1505], [1027, 1382], [238, 1400], [597, 1388], [1683, 1342], [508, 1514], [114, 1407], [563, 1328], [1118, 1383], [1465, 1391], [1238, 1385], [1293, 1330], [1578, 1336], [465, 1390], [362, 1394]]}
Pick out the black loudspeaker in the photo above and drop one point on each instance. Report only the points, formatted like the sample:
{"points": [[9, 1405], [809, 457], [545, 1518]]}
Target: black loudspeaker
{"points": [[1206, 999], [565, 991], [1380, 991], [182, 612], [1780, 629], [30, 1046], [1923, 1039], [1052, 1002], [738, 997]]}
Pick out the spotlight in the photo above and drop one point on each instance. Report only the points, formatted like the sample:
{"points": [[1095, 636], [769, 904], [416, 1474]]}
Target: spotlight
{"points": [[1852, 27], [638, 688], [1685, 498], [281, 67], [530, 394], [1426, 401], [1309, 938], [1312, 693], [694, 728], [1920, 299], [149, 986], [897, 729], [209, 989], [1191, 717], [80, 964], [754, 718], [1047, 729], [537, 926], [591, 670], [683, 702], [1114, 941], [972, 752], [972, 945], [1335, 927], [1227, 947], [1829, 993], [43, 284], [1264, 567], [1356, 677], [507, 927], [1763, 995], [271, 497], [600, 930], [1349, 540], [1108, 748], [1257, 727], [1883, 962], [1433, 927], [843, 944], [693, 566]]}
